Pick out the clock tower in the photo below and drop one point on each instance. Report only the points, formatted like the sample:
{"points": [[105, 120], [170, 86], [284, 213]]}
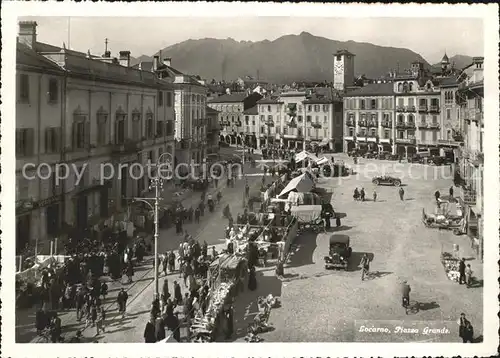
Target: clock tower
{"points": [[343, 70]]}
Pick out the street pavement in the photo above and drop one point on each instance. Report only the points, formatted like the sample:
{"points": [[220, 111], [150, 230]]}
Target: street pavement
{"points": [[322, 305], [141, 290]]}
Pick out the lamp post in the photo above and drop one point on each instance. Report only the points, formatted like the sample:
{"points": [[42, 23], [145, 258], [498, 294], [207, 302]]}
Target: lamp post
{"points": [[157, 184]]}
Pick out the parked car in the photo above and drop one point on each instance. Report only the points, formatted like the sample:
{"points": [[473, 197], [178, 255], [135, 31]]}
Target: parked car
{"points": [[383, 155], [387, 180], [393, 157], [370, 155], [339, 252], [436, 160]]}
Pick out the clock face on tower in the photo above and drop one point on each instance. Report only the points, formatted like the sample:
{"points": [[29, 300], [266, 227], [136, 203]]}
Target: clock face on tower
{"points": [[338, 68]]}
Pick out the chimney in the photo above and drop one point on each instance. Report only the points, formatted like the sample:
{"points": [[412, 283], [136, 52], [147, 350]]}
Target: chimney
{"points": [[125, 58], [156, 59], [27, 33], [167, 61]]}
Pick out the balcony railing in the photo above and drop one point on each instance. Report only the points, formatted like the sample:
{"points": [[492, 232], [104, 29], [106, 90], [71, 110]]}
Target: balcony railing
{"points": [[350, 123], [400, 108], [422, 125], [362, 123], [410, 125], [400, 125], [387, 124], [372, 123], [434, 126], [434, 108], [316, 125], [410, 108], [469, 196], [361, 137], [406, 140], [422, 108]]}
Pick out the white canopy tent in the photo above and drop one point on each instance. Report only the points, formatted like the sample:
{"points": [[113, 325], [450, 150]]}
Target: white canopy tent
{"points": [[302, 183], [305, 155], [322, 161]]}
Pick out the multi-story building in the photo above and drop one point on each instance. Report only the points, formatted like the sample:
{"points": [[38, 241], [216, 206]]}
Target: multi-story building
{"points": [[231, 107], [213, 130], [90, 113], [252, 129], [302, 119], [470, 97], [451, 128], [369, 118], [190, 99], [343, 70]]}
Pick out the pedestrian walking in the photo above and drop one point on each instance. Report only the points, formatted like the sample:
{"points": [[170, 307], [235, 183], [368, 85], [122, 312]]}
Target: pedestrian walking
{"points": [[451, 192], [437, 195], [55, 328], [129, 271], [171, 261], [461, 270], [177, 293], [362, 194], [337, 220], [93, 315], [197, 214], [468, 276], [374, 195], [149, 332], [401, 194], [164, 263], [365, 266], [122, 301], [465, 330], [160, 329], [100, 321], [247, 191]]}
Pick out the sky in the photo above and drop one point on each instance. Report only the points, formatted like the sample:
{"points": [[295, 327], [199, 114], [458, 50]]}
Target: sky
{"points": [[430, 37]]}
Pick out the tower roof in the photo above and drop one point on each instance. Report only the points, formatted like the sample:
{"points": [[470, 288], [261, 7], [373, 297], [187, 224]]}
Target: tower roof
{"points": [[445, 59], [344, 52]]}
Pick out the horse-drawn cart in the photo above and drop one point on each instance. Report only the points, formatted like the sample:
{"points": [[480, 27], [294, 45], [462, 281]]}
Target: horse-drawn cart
{"points": [[309, 217], [444, 222]]}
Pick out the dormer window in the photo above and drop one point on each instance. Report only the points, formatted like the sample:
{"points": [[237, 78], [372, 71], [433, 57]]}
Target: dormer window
{"points": [[429, 86], [400, 87], [410, 86]]}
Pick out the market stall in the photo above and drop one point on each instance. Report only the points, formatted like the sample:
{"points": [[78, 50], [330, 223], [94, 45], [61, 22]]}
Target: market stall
{"points": [[451, 262], [227, 276], [302, 183]]}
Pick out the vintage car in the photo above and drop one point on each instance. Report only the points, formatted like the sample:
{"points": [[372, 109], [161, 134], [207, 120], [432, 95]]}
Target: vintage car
{"points": [[370, 155], [386, 179], [339, 252], [436, 160]]}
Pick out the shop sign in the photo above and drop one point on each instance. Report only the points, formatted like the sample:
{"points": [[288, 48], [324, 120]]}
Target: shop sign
{"points": [[29, 205]]}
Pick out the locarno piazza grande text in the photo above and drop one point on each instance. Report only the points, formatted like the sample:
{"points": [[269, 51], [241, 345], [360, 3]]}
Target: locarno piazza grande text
{"points": [[404, 330]]}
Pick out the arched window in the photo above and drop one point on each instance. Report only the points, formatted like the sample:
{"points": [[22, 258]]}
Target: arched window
{"points": [[405, 87], [400, 87], [411, 86]]}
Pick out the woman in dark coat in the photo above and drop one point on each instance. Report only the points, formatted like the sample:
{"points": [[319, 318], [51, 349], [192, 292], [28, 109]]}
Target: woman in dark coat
{"points": [[149, 333], [160, 329], [252, 279]]}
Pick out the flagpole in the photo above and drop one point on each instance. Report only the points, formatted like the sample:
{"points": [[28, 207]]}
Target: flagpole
{"points": [[69, 33]]}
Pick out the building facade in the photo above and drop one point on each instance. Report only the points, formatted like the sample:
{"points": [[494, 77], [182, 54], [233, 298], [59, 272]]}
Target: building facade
{"points": [[231, 107], [470, 98], [213, 130], [369, 118], [96, 115]]}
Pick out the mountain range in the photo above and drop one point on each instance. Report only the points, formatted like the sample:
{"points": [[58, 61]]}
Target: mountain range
{"points": [[303, 57]]}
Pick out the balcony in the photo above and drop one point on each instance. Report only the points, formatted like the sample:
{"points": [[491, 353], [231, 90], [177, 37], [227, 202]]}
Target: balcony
{"points": [[348, 137], [451, 143], [400, 108], [361, 123], [434, 126], [400, 125], [410, 125], [422, 125], [385, 140], [422, 108], [126, 147], [410, 109], [478, 117], [434, 108], [372, 138], [361, 137], [316, 125], [387, 124], [350, 123], [372, 124], [469, 196], [405, 140]]}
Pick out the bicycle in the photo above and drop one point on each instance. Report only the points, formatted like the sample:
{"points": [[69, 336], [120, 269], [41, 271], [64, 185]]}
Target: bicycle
{"points": [[406, 304]]}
